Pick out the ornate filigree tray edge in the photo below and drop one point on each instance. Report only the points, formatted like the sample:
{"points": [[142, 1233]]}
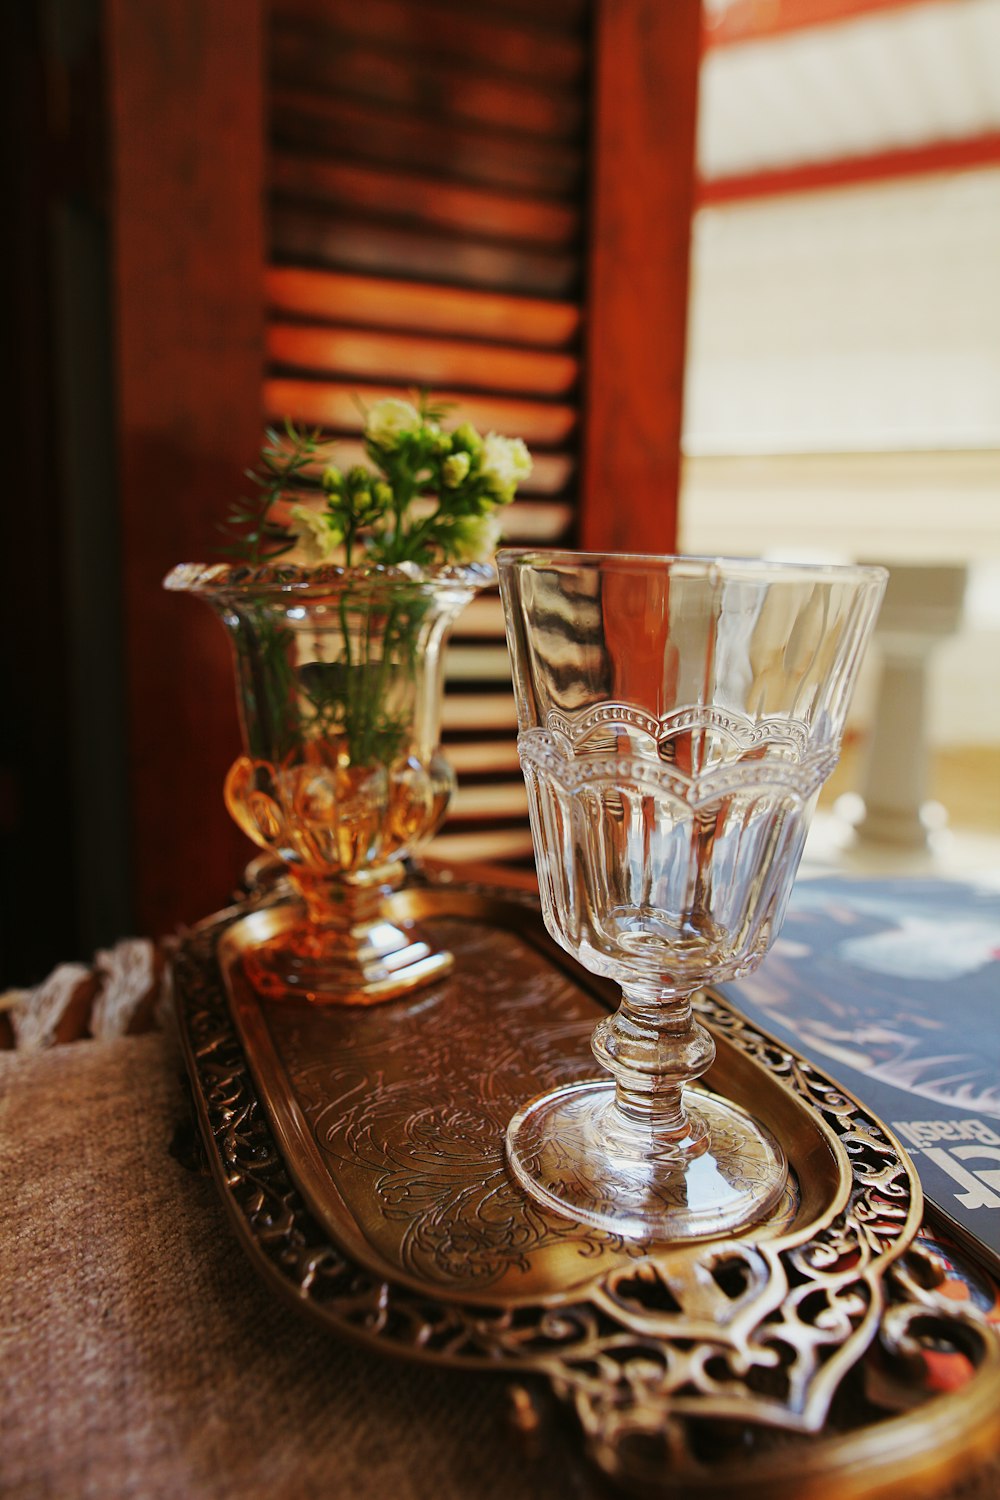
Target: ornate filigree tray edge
{"points": [[634, 1411]]}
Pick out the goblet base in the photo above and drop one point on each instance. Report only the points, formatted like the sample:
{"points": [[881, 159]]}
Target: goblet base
{"points": [[390, 960], [573, 1151]]}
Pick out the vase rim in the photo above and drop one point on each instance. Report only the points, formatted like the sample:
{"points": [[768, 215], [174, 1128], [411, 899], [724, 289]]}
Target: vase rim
{"points": [[235, 578], [692, 566]]}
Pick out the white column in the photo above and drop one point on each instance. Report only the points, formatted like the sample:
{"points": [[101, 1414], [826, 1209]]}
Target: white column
{"points": [[923, 606]]}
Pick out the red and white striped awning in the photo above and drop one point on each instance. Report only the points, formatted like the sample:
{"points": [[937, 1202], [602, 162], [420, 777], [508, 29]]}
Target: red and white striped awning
{"points": [[806, 93]]}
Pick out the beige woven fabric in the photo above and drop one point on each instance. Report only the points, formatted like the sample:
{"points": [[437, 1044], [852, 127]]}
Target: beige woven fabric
{"points": [[141, 1357]]}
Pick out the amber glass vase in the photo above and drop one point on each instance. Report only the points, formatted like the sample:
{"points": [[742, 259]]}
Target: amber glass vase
{"points": [[339, 679]]}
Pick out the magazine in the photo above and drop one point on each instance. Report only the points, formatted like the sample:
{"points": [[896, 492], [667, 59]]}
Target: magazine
{"points": [[893, 988]]}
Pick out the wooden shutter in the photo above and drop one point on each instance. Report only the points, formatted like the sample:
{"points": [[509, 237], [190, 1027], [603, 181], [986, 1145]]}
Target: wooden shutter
{"points": [[427, 225], [433, 170]]}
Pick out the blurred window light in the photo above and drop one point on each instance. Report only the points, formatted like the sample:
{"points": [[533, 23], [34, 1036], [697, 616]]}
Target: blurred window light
{"points": [[863, 317]]}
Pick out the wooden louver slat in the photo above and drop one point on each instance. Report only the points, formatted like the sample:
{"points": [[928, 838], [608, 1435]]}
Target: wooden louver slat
{"points": [[423, 199], [437, 362], [536, 518], [426, 225], [312, 236], [551, 475], [322, 60], [413, 306], [550, 56], [329, 404], [304, 119]]}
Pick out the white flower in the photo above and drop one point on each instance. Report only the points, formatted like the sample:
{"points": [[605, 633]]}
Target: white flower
{"points": [[317, 534], [505, 462], [455, 469], [475, 538], [387, 421]]}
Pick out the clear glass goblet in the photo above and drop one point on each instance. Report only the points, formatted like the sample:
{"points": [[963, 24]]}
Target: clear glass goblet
{"points": [[676, 719]]}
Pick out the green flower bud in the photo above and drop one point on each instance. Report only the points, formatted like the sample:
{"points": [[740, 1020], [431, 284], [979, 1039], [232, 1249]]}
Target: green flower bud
{"points": [[474, 538], [333, 480], [466, 439], [505, 462], [455, 468]]}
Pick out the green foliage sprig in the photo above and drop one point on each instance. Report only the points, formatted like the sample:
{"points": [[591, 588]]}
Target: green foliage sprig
{"points": [[426, 496], [284, 461], [369, 515]]}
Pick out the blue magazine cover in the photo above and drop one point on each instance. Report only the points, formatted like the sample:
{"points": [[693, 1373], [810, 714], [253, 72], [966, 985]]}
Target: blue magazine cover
{"points": [[893, 988]]}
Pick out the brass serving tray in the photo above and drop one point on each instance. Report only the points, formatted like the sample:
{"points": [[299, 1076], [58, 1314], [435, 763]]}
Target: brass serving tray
{"points": [[360, 1154]]}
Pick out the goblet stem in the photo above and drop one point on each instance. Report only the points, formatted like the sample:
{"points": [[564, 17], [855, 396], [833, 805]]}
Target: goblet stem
{"points": [[627, 1155], [653, 1046]]}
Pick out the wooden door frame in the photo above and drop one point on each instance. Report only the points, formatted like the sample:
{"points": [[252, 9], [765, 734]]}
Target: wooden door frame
{"points": [[645, 89], [186, 141]]}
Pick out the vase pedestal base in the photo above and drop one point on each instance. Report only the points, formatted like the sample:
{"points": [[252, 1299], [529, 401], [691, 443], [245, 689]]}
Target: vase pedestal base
{"points": [[377, 960]]}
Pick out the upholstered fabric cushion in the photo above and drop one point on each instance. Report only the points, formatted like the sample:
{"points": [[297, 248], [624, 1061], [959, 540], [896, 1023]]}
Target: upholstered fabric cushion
{"points": [[141, 1356]]}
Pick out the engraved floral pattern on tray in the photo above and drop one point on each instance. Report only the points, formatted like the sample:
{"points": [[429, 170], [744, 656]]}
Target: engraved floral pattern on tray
{"points": [[434, 1159]]}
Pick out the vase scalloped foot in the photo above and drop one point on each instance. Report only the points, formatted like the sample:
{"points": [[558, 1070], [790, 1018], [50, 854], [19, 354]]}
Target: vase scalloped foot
{"points": [[343, 945], [385, 962], [571, 1150]]}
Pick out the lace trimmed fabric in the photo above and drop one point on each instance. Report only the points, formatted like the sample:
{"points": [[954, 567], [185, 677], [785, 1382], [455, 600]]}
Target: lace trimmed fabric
{"points": [[123, 990]]}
